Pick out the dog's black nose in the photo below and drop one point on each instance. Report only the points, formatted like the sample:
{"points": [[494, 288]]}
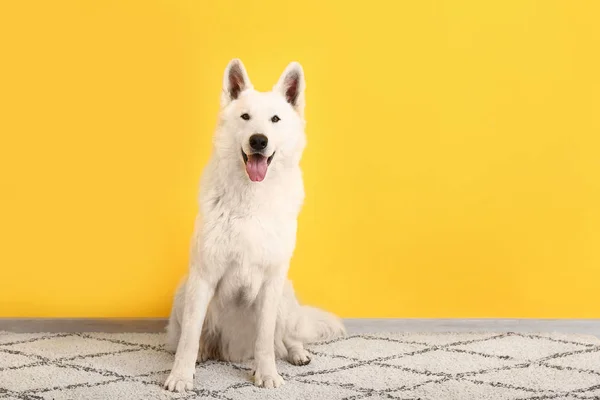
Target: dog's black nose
{"points": [[258, 141]]}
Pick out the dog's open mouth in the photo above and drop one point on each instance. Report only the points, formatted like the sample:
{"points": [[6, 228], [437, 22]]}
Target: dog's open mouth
{"points": [[256, 165]]}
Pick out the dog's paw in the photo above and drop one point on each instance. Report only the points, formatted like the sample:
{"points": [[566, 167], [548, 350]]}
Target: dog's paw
{"points": [[299, 357], [267, 380], [179, 382]]}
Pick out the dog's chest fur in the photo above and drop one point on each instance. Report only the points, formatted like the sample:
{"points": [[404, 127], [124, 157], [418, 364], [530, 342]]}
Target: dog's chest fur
{"points": [[249, 234]]}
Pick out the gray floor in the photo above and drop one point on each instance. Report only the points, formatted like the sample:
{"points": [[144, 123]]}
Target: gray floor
{"points": [[577, 326], [588, 326]]}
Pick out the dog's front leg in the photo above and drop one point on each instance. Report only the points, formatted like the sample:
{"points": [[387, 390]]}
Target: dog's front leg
{"points": [[265, 373], [198, 293]]}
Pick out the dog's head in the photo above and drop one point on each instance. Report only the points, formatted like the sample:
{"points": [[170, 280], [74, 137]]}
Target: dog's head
{"points": [[261, 132]]}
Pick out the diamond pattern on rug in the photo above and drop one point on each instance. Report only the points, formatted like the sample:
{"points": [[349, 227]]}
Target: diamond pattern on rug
{"points": [[150, 339], [438, 339], [522, 347], [434, 366], [12, 360], [40, 377], [361, 348], [449, 362], [285, 392], [67, 347], [585, 340], [130, 363], [370, 377], [590, 394], [112, 390], [461, 389], [586, 359], [540, 378], [8, 337]]}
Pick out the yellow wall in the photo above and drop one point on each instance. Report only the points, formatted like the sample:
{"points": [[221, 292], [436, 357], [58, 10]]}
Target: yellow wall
{"points": [[452, 170]]}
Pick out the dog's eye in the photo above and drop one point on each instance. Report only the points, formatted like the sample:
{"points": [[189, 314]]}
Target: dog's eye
{"points": [[246, 116], [275, 118]]}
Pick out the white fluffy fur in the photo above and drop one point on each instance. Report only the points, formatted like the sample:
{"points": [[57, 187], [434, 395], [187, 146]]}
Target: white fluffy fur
{"points": [[236, 295]]}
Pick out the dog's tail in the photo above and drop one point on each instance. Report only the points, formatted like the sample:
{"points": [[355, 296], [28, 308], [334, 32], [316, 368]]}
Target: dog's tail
{"points": [[315, 325]]}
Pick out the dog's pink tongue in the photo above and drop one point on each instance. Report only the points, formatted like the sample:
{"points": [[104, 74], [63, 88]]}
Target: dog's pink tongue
{"points": [[256, 167]]}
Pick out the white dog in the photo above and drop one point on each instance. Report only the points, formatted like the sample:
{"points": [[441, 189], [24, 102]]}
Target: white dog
{"points": [[237, 303]]}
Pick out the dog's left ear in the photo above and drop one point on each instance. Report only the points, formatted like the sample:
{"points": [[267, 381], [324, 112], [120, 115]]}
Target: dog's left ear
{"points": [[291, 85]]}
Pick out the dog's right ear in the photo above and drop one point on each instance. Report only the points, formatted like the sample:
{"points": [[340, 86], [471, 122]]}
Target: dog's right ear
{"points": [[235, 81]]}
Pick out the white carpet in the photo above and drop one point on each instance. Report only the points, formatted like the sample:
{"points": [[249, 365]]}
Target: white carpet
{"points": [[384, 366]]}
